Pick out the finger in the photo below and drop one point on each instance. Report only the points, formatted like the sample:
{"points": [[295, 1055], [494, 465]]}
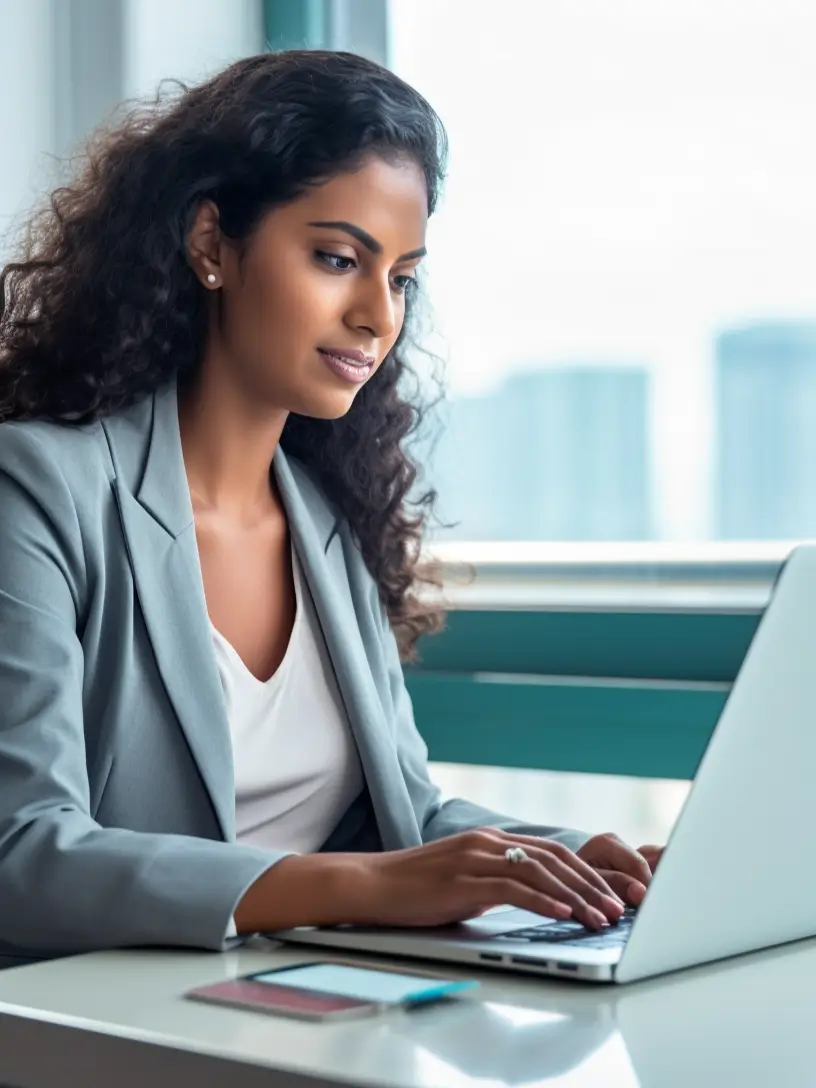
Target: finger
{"points": [[623, 858], [569, 857], [517, 894], [609, 903], [631, 891], [652, 854], [540, 878]]}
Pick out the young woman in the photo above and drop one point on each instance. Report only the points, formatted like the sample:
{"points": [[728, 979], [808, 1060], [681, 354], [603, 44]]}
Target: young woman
{"points": [[207, 561]]}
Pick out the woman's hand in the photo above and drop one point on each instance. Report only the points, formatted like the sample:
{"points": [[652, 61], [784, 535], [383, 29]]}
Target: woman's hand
{"points": [[450, 880], [628, 872], [462, 876]]}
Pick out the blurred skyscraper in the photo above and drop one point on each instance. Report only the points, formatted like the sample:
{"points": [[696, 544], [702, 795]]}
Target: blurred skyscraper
{"points": [[766, 436], [552, 454]]}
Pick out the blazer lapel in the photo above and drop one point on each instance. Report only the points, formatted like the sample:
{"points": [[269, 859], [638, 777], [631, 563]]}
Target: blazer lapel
{"points": [[159, 528], [312, 532]]}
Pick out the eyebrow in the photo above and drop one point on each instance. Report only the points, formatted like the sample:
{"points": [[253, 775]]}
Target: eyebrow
{"points": [[362, 236]]}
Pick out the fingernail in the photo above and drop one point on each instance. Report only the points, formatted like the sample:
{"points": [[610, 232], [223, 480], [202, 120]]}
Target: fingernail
{"points": [[563, 911], [596, 916], [615, 905]]}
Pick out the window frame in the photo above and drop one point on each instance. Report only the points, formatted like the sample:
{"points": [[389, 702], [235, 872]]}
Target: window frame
{"points": [[632, 688]]}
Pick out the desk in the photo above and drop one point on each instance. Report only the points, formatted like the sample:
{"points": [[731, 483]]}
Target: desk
{"points": [[116, 1019]]}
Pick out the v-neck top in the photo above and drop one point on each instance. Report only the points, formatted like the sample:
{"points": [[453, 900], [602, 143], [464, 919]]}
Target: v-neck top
{"points": [[297, 769]]}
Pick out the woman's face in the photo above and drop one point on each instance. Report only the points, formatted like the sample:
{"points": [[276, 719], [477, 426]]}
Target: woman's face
{"points": [[318, 300]]}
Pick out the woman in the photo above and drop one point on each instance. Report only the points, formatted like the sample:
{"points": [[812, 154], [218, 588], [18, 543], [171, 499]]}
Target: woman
{"points": [[207, 561]]}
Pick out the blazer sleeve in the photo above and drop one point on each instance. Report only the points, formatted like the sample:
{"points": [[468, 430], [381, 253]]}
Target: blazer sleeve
{"points": [[66, 883], [438, 818]]}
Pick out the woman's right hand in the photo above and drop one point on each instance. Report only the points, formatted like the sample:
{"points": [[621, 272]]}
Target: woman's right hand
{"points": [[462, 876], [449, 880]]}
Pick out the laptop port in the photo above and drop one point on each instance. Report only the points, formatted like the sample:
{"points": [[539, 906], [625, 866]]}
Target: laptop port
{"points": [[567, 966], [490, 956], [528, 961]]}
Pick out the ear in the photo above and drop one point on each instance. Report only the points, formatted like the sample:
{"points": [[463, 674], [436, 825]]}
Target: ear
{"points": [[204, 244]]}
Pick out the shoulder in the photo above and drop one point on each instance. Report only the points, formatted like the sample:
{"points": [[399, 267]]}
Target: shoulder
{"points": [[53, 489], [48, 475], [47, 458], [40, 453]]}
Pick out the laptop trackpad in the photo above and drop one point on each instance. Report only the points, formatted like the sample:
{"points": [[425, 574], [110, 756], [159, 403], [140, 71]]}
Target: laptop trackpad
{"points": [[502, 920]]}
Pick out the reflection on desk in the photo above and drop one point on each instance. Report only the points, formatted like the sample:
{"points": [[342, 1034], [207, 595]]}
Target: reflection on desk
{"points": [[498, 1044]]}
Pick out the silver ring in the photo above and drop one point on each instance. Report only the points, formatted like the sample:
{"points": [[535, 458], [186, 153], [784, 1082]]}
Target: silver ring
{"points": [[515, 854]]}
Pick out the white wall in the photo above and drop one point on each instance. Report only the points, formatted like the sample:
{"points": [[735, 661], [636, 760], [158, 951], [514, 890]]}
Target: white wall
{"points": [[186, 39], [27, 116], [62, 70]]}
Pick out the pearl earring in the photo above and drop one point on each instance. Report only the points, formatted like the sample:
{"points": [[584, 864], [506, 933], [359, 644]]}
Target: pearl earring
{"points": [[211, 277]]}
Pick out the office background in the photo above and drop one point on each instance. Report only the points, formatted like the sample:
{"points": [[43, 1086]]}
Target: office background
{"points": [[621, 272]]}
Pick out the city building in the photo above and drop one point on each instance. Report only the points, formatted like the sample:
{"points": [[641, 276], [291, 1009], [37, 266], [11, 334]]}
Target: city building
{"points": [[765, 479], [551, 454]]}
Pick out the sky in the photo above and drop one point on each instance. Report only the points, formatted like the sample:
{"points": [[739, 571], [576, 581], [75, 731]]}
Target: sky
{"points": [[626, 179]]}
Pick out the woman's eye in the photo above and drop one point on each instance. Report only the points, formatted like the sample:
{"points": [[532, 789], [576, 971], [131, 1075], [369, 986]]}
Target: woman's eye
{"points": [[343, 264], [401, 284]]}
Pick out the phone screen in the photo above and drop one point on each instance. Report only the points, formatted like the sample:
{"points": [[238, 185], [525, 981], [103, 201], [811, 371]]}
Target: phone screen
{"points": [[341, 980]]}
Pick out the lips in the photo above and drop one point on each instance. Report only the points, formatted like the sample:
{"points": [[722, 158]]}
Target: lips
{"points": [[344, 366], [349, 355]]}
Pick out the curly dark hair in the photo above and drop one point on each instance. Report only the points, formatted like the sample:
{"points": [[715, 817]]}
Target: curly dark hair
{"points": [[101, 306]]}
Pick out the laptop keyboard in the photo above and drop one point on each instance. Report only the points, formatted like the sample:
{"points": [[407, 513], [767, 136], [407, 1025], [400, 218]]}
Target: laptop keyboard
{"points": [[569, 932]]}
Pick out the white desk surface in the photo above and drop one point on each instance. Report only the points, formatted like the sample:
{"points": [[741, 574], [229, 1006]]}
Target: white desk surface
{"points": [[118, 1019]]}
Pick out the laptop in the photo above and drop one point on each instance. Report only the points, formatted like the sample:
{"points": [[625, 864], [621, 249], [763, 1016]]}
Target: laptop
{"points": [[737, 874]]}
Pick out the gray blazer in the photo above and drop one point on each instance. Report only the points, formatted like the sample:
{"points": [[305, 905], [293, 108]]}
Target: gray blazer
{"points": [[117, 799]]}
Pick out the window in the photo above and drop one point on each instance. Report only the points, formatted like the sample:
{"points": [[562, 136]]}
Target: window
{"points": [[623, 267]]}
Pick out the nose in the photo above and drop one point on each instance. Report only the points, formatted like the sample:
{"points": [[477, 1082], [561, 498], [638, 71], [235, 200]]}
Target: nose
{"points": [[373, 307]]}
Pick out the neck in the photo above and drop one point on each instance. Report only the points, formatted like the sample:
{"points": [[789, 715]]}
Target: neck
{"points": [[228, 442]]}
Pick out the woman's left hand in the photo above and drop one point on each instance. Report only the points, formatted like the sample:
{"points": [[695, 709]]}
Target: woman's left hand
{"points": [[628, 872]]}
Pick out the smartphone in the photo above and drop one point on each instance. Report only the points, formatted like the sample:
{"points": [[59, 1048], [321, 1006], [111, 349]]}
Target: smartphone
{"points": [[329, 991]]}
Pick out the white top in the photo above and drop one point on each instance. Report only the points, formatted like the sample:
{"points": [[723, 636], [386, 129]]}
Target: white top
{"points": [[297, 769]]}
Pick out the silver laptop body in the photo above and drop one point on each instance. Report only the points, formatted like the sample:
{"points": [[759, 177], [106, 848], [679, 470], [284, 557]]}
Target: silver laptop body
{"points": [[737, 874]]}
